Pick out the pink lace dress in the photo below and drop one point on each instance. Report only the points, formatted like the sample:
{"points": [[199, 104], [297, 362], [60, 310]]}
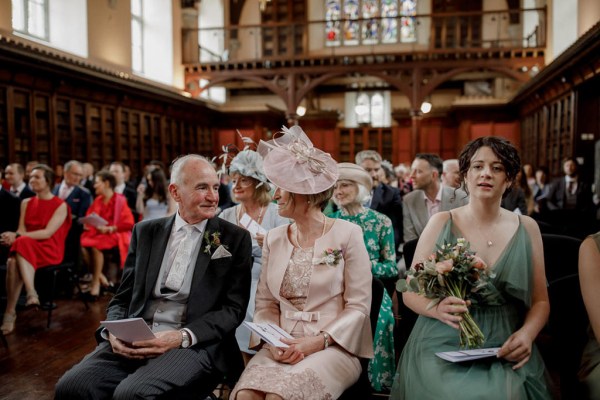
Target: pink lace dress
{"points": [[322, 375]]}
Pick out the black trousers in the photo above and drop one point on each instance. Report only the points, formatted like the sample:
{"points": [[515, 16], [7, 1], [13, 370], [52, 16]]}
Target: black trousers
{"points": [[103, 374]]}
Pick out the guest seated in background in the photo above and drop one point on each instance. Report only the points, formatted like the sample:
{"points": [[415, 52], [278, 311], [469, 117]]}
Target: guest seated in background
{"points": [[429, 196], [330, 323], [518, 198], [589, 278], [384, 198], [113, 208], [513, 308], [79, 200], [10, 206], [191, 291], [350, 192], [15, 176], [569, 203], [117, 168], [153, 198], [251, 191], [38, 242]]}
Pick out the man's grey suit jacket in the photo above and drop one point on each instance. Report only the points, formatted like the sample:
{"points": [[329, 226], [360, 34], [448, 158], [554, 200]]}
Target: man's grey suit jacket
{"points": [[415, 215]]}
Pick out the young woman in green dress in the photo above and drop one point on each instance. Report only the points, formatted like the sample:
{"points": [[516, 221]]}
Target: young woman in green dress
{"points": [[513, 311]]}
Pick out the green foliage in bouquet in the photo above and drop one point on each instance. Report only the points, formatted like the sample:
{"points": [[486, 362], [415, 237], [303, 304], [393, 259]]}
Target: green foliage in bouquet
{"points": [[453, 270]]}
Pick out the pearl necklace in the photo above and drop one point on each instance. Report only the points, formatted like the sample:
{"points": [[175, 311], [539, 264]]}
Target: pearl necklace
{"points": [[244, 211]]}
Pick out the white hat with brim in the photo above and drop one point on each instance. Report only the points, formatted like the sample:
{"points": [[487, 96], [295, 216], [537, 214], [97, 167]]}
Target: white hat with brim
{"points": [[292, 163], [355, 173]]}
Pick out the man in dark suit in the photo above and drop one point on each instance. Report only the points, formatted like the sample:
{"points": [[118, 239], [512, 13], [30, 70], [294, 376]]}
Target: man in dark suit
{"points": [[15, 173], [10, 206], [188, 276], [384, 198], [117, 168], [79, 200], [568, 205]]}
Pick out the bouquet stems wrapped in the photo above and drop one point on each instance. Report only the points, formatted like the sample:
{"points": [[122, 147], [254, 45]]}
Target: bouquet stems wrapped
{"points": [[453, 270]]}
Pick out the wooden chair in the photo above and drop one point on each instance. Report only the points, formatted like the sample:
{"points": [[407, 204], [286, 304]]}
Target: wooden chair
{"points": [[362, 388], [568, 321], [406, 317], [47, 281]]}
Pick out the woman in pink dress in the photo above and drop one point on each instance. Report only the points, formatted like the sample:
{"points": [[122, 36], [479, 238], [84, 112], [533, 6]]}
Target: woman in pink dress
{"points": [[113, 208], [38, 242]]}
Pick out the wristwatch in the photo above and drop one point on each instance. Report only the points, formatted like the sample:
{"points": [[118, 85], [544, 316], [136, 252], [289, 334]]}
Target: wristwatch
{"points": [[186, 339]]}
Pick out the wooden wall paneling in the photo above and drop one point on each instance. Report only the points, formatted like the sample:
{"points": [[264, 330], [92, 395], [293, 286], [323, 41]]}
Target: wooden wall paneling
{"points": [[136, 140], [41, 131], [55, 154], [125, 138], [162, 140], [403, 145], [105, 145], [143, 143], [118, 124], [20, 113], [31, 122], [3, 129], [87, 133]]}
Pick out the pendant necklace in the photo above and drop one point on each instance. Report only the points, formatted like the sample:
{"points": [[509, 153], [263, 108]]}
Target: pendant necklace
{"points": [[488, 241]]}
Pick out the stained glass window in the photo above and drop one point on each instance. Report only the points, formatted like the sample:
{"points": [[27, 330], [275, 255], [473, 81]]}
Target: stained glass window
{"points": [[407, 21], [332, 26], [351, 23], [367, 22]]}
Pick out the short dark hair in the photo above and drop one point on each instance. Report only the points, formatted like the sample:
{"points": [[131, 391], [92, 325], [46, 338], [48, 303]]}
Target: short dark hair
{"points": [[106, 176], [433, 159], [48, 173], [502, 148]]}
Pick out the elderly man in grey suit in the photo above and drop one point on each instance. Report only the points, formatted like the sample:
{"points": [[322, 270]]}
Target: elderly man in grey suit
{"points": [[429, 195], [188, 277]]}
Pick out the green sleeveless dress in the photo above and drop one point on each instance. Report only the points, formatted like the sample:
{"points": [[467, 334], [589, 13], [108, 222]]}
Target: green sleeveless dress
{"points": [[422, 375]]}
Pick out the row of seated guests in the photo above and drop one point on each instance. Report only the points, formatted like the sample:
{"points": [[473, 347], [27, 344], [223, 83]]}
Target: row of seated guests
{"points": [[314, 283], [47, 247], [39, 241]]}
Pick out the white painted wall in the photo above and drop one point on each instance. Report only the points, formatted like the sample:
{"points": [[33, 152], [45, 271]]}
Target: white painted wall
{"points": [[68, 26], [563, 25]]}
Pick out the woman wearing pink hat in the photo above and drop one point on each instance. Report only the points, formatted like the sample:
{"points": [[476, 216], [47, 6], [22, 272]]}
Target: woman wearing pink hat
{"points": [[315, 283]]}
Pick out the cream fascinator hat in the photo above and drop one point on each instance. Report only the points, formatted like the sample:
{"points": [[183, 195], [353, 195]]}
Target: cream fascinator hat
{"points": [[292, 163], [249, 163], [355, 173]]}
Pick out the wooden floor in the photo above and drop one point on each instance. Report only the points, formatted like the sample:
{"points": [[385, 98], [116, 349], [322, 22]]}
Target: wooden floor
{"points": [[37, 356]]}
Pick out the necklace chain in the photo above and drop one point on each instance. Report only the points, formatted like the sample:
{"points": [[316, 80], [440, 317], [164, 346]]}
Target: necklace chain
{"points": [[243, 211], [488, 241], [322, 233]]}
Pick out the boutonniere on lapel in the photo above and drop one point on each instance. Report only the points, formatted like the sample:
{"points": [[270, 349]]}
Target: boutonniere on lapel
{"points": [[330, 257], [213, 246]]}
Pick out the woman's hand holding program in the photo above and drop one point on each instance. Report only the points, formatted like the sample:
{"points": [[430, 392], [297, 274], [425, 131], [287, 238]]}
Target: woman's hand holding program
{"points": [[517, 349]]}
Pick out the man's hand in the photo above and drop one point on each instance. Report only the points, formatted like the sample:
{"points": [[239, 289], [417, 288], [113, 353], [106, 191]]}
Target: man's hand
{"points": [[163, 342]]}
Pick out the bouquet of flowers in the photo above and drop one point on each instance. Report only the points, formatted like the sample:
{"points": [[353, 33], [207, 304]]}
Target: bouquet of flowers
{"points": [[453, 270]]}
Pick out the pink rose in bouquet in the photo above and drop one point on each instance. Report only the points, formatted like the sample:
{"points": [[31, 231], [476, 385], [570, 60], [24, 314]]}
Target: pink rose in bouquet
{"points": [[453, 270]]}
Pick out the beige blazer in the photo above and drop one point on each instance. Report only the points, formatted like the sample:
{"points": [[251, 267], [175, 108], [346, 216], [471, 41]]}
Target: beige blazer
{"points": [[339, 297], [414, 210]]}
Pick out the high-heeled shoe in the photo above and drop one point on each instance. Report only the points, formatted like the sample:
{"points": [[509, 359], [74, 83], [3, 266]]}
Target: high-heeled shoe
{"points": [[8, 323], [33, 301]]}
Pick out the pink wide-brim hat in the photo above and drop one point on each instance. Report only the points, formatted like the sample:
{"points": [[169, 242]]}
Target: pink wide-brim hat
{"points": [[292, 163]]}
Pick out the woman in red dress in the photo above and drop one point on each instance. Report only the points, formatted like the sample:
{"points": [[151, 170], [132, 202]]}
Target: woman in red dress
{"points": [[117, 233], [38, 242]]}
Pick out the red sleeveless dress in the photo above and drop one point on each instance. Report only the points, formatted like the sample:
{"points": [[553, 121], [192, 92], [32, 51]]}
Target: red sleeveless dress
{"points": [[44, 252]]}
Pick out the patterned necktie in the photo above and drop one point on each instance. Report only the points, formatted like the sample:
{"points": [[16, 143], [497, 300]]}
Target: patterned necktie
{"points": [[181, 261], [571, 187]]}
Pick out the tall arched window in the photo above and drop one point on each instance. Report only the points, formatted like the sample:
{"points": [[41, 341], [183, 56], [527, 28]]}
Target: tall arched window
{"points": [[368, 108], [367, 22]]}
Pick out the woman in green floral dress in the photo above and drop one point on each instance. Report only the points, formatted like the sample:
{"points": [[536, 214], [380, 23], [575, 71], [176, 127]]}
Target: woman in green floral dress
{"points": [[350, 191]]}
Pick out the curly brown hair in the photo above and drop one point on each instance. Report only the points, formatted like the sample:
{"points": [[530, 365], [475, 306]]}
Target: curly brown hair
{"points": [[502, 148]]}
